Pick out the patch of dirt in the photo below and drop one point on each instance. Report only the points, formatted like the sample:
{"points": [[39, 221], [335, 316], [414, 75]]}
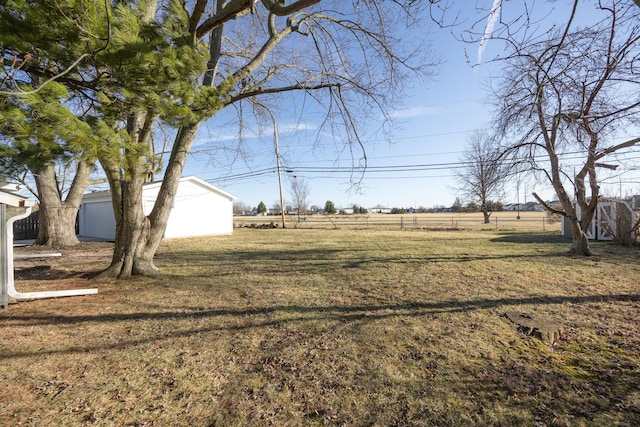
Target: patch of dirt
{"points": [[81, 261]]}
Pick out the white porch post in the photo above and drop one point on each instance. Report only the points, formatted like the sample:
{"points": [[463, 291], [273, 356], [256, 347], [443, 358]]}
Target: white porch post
{"points": [[4, 264], [11, 289]]}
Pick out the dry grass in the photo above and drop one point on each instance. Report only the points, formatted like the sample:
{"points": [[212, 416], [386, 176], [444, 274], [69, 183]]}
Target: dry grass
{"points": [[321, 327], [505, 220]]}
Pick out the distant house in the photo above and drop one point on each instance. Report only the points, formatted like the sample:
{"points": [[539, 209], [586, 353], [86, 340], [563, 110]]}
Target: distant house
{"points": [[380, 210], [199, 209], [524, 207]]}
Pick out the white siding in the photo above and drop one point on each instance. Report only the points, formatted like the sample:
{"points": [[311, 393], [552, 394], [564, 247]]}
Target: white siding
{"points": [[199, 209], [96, 220]]}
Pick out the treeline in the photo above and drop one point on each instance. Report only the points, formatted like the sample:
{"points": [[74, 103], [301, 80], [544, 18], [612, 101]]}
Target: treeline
{"points": [[475, 207], [330, 208]]}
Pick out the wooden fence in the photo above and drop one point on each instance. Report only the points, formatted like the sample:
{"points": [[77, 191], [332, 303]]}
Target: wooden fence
{"points": [[27, 228]]}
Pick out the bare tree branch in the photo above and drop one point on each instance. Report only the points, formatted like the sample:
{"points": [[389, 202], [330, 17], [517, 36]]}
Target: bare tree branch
{"points": [[547, 206], [572, 87]]}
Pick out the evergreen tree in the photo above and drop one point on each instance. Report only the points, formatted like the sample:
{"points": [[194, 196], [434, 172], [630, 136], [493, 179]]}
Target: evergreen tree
{"points": [[86, 87], [127, 65], [457, 205], [329, 207]]}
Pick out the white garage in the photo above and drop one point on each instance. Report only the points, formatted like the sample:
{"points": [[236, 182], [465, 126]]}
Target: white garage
{"points": [[199, 209]]}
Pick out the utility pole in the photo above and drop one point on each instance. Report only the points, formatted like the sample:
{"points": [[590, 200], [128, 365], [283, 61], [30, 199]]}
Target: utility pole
{"points": [[518, 196], [275, 142]]}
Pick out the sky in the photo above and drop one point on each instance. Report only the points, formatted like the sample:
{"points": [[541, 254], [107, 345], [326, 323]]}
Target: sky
{"points": [[414, 168], [430, 132]]}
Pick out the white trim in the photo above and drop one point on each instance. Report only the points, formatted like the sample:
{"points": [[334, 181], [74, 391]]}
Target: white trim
{"points": [[198, 181], [9, 284], [11, 199]]}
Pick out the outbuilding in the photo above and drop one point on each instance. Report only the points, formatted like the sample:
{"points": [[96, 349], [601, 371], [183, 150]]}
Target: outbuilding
{"points": [[199, 209], [612, 218]]}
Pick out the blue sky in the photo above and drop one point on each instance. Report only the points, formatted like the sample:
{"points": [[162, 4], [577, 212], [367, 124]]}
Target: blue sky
{"points": [[432, 125], [412, 169], [434, 121]]}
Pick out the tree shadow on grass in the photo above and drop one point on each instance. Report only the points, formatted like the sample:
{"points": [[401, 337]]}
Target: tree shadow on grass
{"points": [[550, 395], [260, 317], [598, 247], [46, 272], [531, 237], [522, 392], [267, 262], [553, 392], [311, 261]]}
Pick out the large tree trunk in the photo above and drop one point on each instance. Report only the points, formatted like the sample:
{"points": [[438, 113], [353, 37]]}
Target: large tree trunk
{"points": [[131, 228], [137, 235], [486, 213], [580, 217], [580, 242], [57, 217]]}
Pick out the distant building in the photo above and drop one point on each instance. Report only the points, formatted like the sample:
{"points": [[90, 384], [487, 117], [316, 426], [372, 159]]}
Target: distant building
{"points": [[380, 210], [12, 187], [524, 207]]}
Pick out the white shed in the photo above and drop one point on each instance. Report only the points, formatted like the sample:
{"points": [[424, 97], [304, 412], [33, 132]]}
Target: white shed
{"points": [[612, 217], [199, 209]]}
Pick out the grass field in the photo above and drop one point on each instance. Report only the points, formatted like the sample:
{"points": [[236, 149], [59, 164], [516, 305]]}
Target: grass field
{"points": [[331, 327], [422, 221]]}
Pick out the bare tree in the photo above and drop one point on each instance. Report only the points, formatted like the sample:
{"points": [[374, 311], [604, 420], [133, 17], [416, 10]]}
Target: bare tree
{"points": [[135, 63], [566, 98], [343, 55], [240, 208], [299, 194], [482, 173], [129, 65]]}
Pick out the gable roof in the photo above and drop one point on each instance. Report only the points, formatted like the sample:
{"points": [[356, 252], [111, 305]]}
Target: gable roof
{"points": [[198, 181], [106, 194]]}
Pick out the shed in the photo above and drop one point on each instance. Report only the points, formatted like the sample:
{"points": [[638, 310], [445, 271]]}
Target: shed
{"points": [[199, 209], [612, 217]]}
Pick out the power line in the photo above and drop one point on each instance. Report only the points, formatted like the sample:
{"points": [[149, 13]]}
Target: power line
{"points": [[375, 169]]}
